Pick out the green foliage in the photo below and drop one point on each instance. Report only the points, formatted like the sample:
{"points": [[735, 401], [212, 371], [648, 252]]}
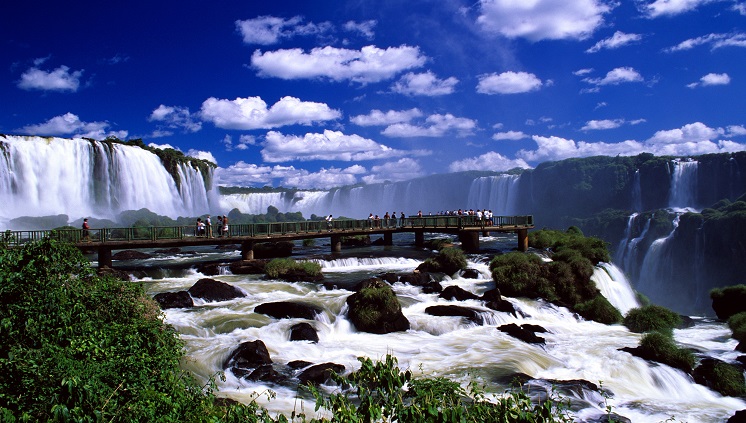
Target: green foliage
{"points": [[724, 378], [375, 301], [382, 392], [599, 309], [661, 348], [309, 242], [593, 249], [449, 260], [729, 300], [522, 275], [651, 318], [281, 267], [437, 243], [737, 324]]}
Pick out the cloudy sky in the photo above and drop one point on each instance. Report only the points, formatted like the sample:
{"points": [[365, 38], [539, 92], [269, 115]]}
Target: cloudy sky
{"points": [[309, 93]]}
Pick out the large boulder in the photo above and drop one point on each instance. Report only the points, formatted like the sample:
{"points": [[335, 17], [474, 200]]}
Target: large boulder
{"points": [[249, 355], [212, 290], [728, 301], [453, 310], [267, 373], [457, 293], [179, 299], [524, 333], [375, 308], [720, 376], [248, 267], [493, 300], [303, 332], [320, 373], [130, 255], [288, 310], [267, 250]]}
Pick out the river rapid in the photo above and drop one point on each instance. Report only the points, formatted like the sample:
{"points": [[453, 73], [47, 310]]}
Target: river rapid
{"points": [[440, 346]]}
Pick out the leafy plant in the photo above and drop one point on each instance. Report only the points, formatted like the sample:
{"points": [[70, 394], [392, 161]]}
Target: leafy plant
{"points": [[651, 318]]}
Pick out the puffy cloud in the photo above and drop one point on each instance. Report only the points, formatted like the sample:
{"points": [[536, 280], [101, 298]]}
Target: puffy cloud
{"points": [[424, 84], [330, 145], [735, 130], [617, 76], [491, 161], [508, 83], [70, 124], [175, 117], [60, 79], [202, 155], [369, 64], [542, 19], [693, 132], [594, 125], [252, 113], [434, 126], [660, 8], [617, 40], [248, 174], [581, 72], [324, 178], [365, 28], [715, 41], [401, 170], [379, 118], [509, 135], [711, 79], [267, 30]]}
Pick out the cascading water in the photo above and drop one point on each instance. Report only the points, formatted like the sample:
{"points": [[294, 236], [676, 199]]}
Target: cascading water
{"points": [[612, 283], [637, 192], [78, 177], [683, 185], [496, 193], [656, 268], [627, 253]]}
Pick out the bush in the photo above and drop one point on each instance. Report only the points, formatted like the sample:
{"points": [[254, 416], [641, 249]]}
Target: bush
{"points": [[737, 324], [721, 377], [661, 348], [522, 275], [594, 249], [599, 309], [449, 260], [283, 267], [728, 301], [651, 318]]}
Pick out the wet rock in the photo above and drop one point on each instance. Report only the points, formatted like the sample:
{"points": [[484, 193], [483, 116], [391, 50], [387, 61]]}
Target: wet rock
{"points": [[179, 299], [521, 333], [610, 417], [288, 310], [267, 373], [470, 274], [432, 288], [453, 310], [298, 364], [454, 292], [370, 282], [209, 269], [212, 290], [320, 373], [130, 255], [303, 332], [722, 377], [375, 308], [248, 267], [738, 417], [248, 355], [268, 250], [174, 250], [356, 241]]}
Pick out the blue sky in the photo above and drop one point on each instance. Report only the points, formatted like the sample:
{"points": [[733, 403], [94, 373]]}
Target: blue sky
{"points": [[316, 94]]}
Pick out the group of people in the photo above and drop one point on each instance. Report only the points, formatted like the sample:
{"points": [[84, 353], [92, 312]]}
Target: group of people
{"points": [[204, 228], [388, 220]]}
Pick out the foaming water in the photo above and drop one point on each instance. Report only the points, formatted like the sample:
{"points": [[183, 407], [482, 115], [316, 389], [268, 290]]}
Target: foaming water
{"points": [[615, 287]]}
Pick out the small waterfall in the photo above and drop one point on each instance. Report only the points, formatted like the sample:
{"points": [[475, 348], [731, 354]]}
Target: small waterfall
{"points": [[637, 192], [656, 267], [255, 203], [627, 256], [497, 193], [683, 185], [613, 285], [621, 248]]}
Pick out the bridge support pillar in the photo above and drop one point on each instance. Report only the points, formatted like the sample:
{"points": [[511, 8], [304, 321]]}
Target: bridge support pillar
{"points": [[336, 243], [104, 257], [388, 238], [247, 250], [469, 241], [522, 239], [419, 238]]}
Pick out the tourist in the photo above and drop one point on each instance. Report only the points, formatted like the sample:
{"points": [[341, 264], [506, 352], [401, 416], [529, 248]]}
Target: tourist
{"points": [[200, 229], [208, 224], [86, 229], [370, 220], [329, 222], [225, 226], [386, 220], [400, 221], [220, 226]]}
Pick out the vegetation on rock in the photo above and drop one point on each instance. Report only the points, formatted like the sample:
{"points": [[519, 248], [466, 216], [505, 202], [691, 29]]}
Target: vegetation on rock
{"points": [[281, 268], [449, 260], [651, 318], [660, 347]]}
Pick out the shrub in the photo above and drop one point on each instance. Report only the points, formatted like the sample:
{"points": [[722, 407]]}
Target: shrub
{"points": [[437, 243], [594, 249], [449, 260], [651, 318], [522, 275], [728, 301], [661, 348], [737, 324], [599, 309], [309, 242], [282, 267]]}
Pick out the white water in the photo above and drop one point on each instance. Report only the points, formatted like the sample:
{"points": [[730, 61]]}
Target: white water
{"points": [[496, 193], [80, 178], [683, 190], [655, 267], [448, 346], [613, 285]]}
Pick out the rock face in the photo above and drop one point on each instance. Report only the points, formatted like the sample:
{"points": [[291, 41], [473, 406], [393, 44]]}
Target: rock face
{"points": [[179, 299], [729, 301], [212, 290], [493, 300], [524, 333], [470, 274], [248, 355], [303, 332], [248, 267], [320, 373], [375, 309], [720, 376], [288, 310], [452, 310], [267, 250], [130, 255], [454, 292]]}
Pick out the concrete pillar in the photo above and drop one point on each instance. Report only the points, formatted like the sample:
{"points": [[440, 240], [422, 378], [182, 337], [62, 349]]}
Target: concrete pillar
{"points": [[419, 238], [522, 239], [104, 257], [469, 241], [336, 243], [388, 238], [247, 250]]}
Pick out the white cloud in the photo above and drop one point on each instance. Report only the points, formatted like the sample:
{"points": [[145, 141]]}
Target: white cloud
{"points": [[693, 132], [617, 40], [715, 41], [252, 113], [330, 145], [369, 64], [60, 79], [542, 19], [365, 28], [70, 124], [491, 161], [508, 83], [379, 118], [424, 84], [592, 125], [711, 79], [436, 125], [324, 178], [401, 170], [735, 131], [202, 155], [248, 174], [267, 30], [509, 135], [660, 8], [175, 117], [163, 146], [244, 141], [581, 72], [740, 8], [617, 76]]}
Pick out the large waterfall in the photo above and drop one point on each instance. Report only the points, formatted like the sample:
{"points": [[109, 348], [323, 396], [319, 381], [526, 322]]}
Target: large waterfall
{"points": [[683, 185], [496, 193], [79, 177]]}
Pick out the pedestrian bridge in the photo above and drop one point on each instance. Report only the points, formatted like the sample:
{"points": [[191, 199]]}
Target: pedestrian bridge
{"points": [[105, 240]]}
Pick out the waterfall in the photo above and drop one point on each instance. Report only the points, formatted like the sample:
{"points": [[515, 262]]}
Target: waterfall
{"points": [[612, 283], [78, 177], [627, 254], [683, 185], [255, 203], [656, 269], [621, 248], [497, 193], [637, 192]]}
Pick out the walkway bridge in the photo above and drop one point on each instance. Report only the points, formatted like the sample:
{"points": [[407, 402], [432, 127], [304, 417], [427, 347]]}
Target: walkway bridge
{"points": [[468, 229]]}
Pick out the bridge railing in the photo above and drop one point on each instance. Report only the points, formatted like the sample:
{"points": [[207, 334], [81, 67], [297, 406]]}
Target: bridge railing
{"points": [[154, 233]]}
